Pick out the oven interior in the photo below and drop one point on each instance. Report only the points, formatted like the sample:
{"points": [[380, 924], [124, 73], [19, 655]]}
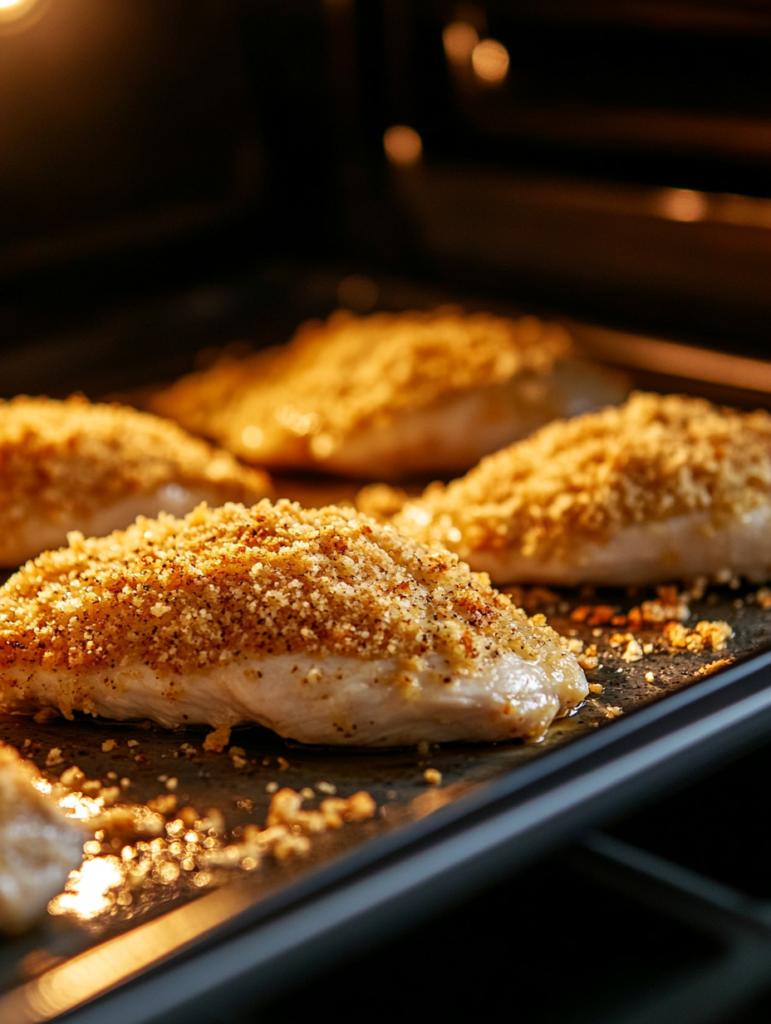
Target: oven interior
{"points": [[177, 177]]}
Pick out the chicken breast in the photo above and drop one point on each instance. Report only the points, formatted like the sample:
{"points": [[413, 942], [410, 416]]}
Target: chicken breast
{"points": [[391, 395], [39, 846], [662, 488], [317, 623], [76, 465]]}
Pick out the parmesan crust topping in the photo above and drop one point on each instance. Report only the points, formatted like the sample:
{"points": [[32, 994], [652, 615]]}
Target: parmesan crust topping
{"points": [[179, 594], [59, 460], [587, 478], [299, 403]]}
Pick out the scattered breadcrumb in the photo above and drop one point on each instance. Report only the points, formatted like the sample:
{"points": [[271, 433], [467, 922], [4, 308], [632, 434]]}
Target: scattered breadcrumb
{"points": [[216, 741], [596, 688], [593, 615], [704, 636], [109, 745], [282, 763], [713, 666], [54, 757], [612, 712], [588, 659], [145, 850], [334, 811], [45, 715], [166, 803], [633, 651], [649, 677], [433, 776], [326, 787]]}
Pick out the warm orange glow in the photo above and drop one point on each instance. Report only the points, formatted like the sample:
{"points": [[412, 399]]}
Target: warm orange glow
{"points": [[684, 205], [403, 146], [459, 40], [490, 61], [89, 890], [14, 10]]}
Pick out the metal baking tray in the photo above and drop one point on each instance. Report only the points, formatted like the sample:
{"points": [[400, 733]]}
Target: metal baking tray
{"points": [[181, 944]]}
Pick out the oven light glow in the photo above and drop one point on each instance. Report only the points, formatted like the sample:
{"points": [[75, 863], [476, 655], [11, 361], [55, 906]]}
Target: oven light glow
{"points": [[403, 146], [490, 61], [14, 10], [459, 39], [683, 204]]}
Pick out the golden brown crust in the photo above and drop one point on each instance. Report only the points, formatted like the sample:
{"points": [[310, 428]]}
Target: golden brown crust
{"points": [[587, 478], [63, 460], [180, 594], [334, 379]]}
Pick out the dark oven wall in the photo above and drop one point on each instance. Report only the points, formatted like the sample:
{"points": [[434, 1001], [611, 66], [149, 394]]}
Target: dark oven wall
{"points": [[611, 158], [603, 160]]}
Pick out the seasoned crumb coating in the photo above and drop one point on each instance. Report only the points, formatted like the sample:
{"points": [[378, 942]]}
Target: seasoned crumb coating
{"points": [[302, 403], [586, 479], [63, 461], [271, 579], [241, 589]]}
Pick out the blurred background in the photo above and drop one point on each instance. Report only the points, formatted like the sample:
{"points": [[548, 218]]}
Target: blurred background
{"points": [[176, 174]]}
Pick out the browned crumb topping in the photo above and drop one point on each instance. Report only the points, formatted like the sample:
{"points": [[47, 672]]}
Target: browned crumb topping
{"points": [[586, 478], [335, 378], [61, 460], [181, 594]]}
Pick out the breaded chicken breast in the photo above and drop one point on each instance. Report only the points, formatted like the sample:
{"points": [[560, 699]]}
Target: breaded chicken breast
{"points": [[74, 465], [662, 488], [391, 395], [318, 623]]}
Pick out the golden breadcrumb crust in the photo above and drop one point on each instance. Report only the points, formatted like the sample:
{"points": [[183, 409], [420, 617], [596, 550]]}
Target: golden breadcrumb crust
{"points": [[60, 460], [587, 478], [299, 403], [180, 594]]}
